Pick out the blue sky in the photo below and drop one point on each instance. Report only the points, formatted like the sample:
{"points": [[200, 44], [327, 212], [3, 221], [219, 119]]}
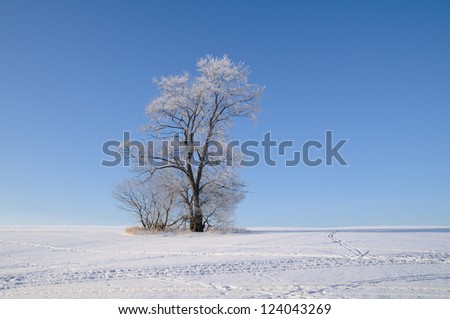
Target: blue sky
{"points": [[74, 74]]}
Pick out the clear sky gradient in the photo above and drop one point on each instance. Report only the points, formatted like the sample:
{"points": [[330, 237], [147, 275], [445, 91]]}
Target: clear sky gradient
{"points": [[74, 74]]}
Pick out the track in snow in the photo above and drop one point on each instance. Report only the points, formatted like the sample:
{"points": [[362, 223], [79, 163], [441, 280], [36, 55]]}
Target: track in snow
{"points": [[256, 267], [354, 250]]}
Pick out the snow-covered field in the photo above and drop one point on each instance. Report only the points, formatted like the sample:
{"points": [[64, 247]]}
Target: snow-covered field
{"points": [[103, 262]]}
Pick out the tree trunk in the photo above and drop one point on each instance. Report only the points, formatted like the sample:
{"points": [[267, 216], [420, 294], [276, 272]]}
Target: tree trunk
{"points": [[196, 223]]}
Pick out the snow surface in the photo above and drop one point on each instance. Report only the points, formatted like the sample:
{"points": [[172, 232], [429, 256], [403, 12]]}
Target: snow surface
{"points": [[103, 262]]}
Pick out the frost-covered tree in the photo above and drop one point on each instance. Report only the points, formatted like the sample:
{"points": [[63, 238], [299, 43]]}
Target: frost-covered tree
{"points": [[200, 112], [153, 203], [219, 199]]}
